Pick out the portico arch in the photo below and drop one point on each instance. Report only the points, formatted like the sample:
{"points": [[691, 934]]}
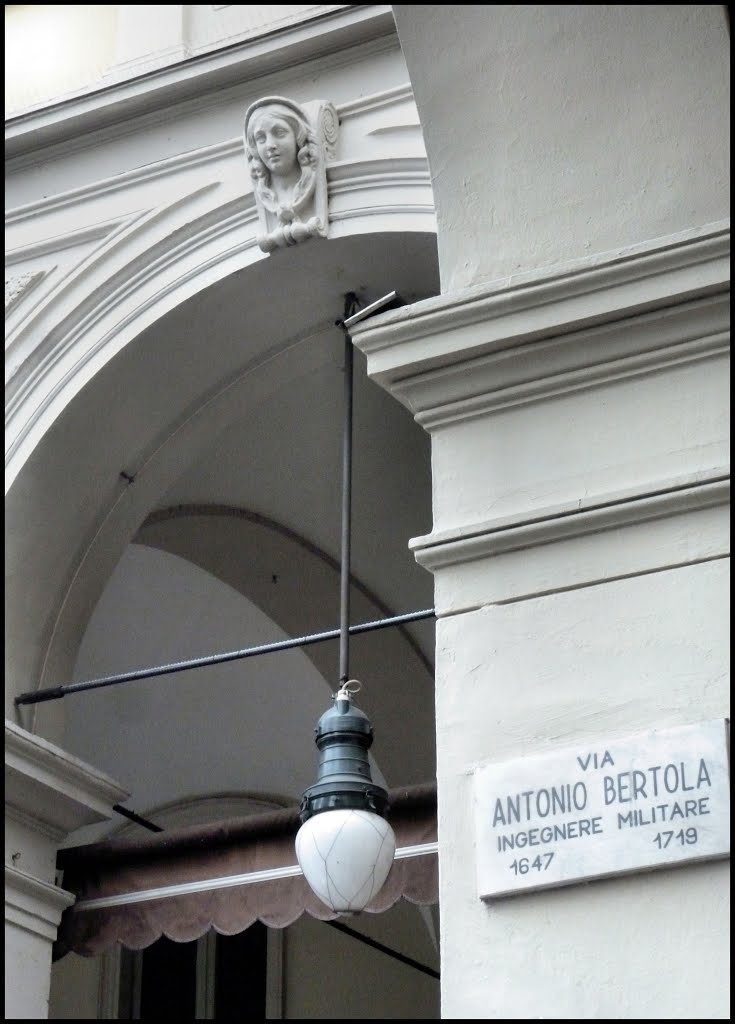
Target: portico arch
{"points": [[144, 353]]}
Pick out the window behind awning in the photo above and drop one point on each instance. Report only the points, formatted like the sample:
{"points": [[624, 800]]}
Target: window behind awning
{"points": [[224, 875]]}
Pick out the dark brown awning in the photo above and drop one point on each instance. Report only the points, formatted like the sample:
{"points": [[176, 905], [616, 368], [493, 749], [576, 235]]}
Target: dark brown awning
{"points": [[224, 875]]}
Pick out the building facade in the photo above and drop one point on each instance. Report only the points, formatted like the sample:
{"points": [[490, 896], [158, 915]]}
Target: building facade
{"points": [[541, 457]]}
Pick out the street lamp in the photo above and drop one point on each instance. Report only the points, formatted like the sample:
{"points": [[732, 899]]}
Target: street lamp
{"points": [[345, 846]]}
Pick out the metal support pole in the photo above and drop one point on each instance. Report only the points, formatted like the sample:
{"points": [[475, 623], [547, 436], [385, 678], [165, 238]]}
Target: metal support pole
{"points": [[352, 315], [344, 596]]}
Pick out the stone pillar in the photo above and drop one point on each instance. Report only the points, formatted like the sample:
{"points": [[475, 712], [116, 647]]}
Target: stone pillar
{"points": [[48, 795], [579, 431]]}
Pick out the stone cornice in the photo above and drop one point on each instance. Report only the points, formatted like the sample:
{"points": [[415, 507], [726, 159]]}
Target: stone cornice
{"points": [[448, 357], [55, 788], [685, 333], [34, 905], [329, 33], [611, 537]]}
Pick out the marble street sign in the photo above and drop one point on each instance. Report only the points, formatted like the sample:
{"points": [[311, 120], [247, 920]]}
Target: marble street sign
{"points": [[652, 800]]}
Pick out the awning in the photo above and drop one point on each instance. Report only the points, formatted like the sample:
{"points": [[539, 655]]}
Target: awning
{"points": [[224, 875]]}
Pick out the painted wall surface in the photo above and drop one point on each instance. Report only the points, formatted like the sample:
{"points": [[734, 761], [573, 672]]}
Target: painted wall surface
{"points": [[75, 988], [27, 956], [624, 435], [564, 670], [557, 131]]}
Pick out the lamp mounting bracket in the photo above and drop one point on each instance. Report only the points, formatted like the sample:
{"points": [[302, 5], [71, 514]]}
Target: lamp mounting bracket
{"points": [[391, 300]]}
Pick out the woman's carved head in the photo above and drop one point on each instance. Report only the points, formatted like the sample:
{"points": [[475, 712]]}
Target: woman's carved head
{"points": [[278, 139]]}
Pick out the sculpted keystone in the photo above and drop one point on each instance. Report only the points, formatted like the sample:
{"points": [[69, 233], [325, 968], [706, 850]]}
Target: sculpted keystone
{"points": [[287, 147]]}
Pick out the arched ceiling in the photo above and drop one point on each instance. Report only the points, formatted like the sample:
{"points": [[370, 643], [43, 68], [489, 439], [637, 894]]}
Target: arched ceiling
{"points": [[232, 398], [225, 418]]}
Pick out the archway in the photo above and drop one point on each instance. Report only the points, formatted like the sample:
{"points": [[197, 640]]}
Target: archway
{"points": [[253, 345], [213, 434]]}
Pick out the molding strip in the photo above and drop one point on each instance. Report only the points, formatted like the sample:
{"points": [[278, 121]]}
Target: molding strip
{"points": [[227, 150], [582, 377], [321, 37], [126, 179], [705, 247], [467, 544], [68, 240]]}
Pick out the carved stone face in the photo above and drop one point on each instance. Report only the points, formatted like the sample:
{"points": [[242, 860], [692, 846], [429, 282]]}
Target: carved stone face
{"points": [[276, 144]]}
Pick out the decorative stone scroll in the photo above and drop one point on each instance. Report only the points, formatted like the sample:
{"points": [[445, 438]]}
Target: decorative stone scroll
{"points": [[287, 147], [18, 286]]}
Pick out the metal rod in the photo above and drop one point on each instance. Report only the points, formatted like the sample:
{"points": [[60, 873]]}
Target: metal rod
{"points": [[384, 949], [137, 818], [374, 307], [352, 315], [344, 596], [56, 692]]}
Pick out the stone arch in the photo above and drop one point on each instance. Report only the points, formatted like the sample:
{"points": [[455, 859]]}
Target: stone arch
{"points": [[125, 387]]}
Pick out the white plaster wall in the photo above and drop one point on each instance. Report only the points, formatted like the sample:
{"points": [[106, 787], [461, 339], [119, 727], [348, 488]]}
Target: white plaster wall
{"points": [[207, 26], [27, 961], [75, 988], [625, 434], [555, 131], [572, 669]]}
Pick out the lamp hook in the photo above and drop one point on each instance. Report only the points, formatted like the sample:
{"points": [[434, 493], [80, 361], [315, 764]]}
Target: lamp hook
{"points": [[347, 689]]}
